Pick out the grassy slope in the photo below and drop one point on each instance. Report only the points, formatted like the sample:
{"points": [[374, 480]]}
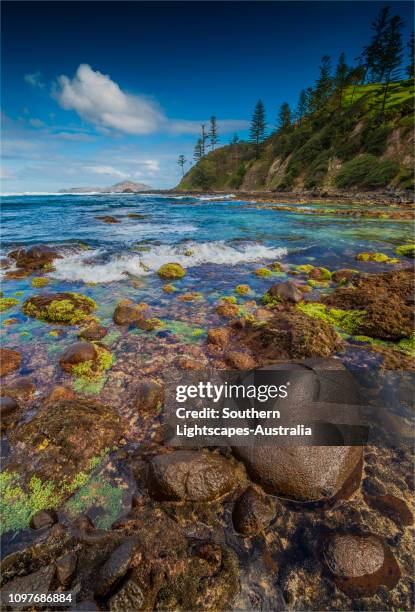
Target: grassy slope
{"points": [[351, 147]]}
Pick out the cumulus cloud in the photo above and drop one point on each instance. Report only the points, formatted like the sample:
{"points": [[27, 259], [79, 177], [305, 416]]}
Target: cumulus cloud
{"points": [[36, 123], [98, 99], [35, 79]]}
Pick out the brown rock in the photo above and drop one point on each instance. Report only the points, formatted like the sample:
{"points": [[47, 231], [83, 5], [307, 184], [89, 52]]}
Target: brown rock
{"points": [[240, 360], [79, 352], [66, 568], [76, 430], [187, 363], [190, 476], [93, 332], [35, 257], [352, 556], [9, 361], [127, 313], [108, 219], [59, 393], [252, 512], [20, 389], [393, 507], [286, 291], [43, 518], [116, 566], [219, 336], [344, 274], [225, 309], [8, 405]]}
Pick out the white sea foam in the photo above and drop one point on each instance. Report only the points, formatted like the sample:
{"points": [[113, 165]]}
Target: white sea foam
{"points": [[91, 266]]}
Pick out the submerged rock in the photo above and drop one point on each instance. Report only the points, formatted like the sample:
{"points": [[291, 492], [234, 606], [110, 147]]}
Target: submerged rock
{"points": [[127, 313], [10, 360], [190, 476], [351, 556], [240, 360], [66, 308], [107, 219], [304, 474], [94, 331], [252, 512], [8, 406], [360, 564]]}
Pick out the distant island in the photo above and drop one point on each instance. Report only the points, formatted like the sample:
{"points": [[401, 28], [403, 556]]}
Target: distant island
{"points": [[123, 187]]}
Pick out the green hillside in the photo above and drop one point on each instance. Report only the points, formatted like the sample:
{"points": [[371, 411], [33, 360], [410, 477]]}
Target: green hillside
{"points": [[349, 144]]}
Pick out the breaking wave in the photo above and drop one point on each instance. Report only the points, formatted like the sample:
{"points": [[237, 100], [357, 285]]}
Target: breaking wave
{"points": [[98, 266]]}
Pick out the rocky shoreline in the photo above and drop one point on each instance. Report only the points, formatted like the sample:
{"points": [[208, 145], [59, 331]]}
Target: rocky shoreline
{"points": [[105, 510]]}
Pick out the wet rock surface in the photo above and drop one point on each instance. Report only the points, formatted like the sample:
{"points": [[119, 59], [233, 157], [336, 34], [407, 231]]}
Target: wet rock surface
{"points": [[34, 258], [190, 475], [63, 437], [10, 360], [286, 291], [252, 512]]}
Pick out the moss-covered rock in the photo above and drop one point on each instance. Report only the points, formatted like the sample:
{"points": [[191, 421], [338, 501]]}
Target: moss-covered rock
{"points": [[347, 320], [63, 438], [263, 272], [66, 308], [7, 302], [39, 282], [242, 289], [86, 359], [406, 250], [171, 271], [169, 288], [376, 257]]}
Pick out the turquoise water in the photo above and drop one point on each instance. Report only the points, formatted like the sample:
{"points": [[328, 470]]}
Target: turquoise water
{"points": [[219, 242]]}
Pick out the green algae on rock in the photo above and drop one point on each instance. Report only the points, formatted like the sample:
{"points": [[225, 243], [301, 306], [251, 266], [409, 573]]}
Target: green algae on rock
{"points": [[65, 308], [39, 281], [406, 250], [86, 359], [347, 320], [7, 302], [242, 289], [171, 271], [263, 272], [376, 257]]}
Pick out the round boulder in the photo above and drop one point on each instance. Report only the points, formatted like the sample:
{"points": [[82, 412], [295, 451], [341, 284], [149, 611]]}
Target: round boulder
{"points": [[77, 353], [252, 512], [171, 271], [287, 292], [186, 475]]}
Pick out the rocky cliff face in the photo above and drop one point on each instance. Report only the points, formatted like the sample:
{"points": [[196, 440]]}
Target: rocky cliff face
{"points": [[353, 148]]}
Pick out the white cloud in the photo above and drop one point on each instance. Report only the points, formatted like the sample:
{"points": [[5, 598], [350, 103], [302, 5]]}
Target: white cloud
{"points": [[106, 170], [98, 99], [34, 79]]}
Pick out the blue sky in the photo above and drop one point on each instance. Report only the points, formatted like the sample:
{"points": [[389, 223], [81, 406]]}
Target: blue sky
{"points": [[98, 92]]}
